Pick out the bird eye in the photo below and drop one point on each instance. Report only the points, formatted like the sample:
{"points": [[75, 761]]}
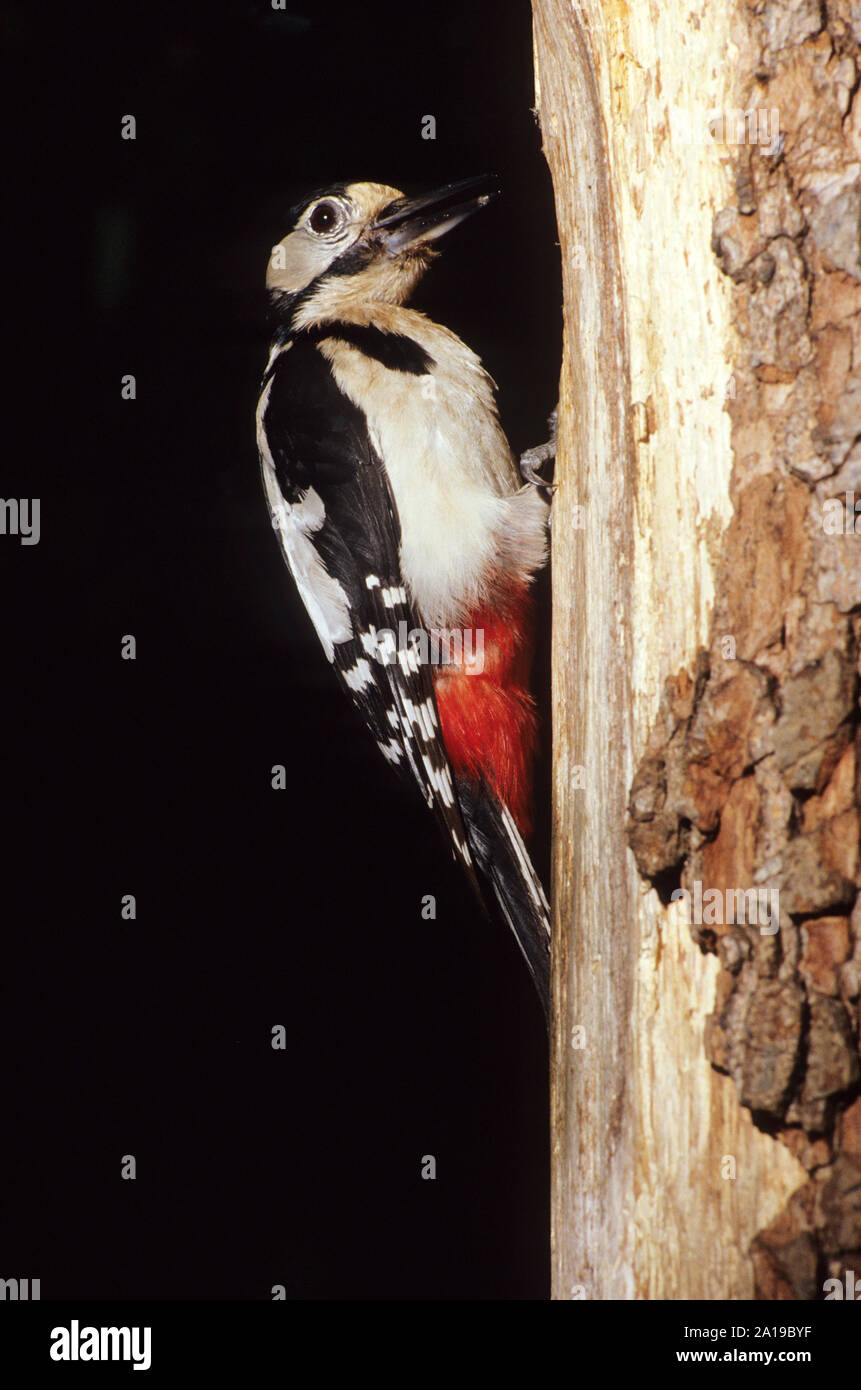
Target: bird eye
{"points": [[324, 217]]}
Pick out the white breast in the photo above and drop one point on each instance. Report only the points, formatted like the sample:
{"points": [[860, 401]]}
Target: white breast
{"points": [[463, 518]]}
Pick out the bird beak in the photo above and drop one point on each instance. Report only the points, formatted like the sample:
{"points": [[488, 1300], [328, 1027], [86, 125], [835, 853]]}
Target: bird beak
{"points": [[410, 220]]}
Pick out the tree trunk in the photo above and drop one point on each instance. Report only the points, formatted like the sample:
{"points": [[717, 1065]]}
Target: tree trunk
{"points": [[706, 1122]]}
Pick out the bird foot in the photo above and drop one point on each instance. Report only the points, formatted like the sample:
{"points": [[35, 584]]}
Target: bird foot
{"points": [[532, 460]]}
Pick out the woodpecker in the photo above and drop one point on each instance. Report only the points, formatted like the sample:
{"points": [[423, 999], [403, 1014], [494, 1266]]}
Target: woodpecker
{"points": [[403, 518]]}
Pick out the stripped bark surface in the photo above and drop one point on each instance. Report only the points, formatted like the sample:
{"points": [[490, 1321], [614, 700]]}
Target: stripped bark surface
{"points": [[751, 776], [707, 591]]}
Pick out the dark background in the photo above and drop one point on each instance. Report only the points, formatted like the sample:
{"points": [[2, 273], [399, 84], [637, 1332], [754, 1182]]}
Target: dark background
{"points": [[254, 907]]}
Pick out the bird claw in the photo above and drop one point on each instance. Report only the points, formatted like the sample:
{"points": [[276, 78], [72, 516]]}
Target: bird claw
{"points": [[530, 463], [532, 460]]}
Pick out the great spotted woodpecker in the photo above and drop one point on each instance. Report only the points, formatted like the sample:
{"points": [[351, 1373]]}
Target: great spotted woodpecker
{"points": [[405, 524]]}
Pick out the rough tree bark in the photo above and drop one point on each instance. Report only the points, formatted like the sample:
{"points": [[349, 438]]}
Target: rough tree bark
{"points": [[707, 614]]}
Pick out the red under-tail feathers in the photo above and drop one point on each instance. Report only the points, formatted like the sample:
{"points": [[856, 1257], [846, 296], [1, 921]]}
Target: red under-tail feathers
{"points": [[487, 714]]}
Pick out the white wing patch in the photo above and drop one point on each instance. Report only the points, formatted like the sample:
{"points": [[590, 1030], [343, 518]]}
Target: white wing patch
{"points": [[391, 751], [529, 875], [440, 780], [359, 675], [295, 523]]}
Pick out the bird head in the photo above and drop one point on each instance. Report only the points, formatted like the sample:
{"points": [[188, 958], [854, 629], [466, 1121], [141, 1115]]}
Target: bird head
{"points": [[362, 243]]}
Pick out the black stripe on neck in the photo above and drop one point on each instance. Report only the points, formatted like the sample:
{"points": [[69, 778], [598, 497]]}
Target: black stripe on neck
{"points": [[394, 350]]}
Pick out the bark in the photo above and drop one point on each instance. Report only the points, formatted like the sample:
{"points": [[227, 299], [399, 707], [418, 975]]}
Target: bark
{"points": [[705, 1075]]}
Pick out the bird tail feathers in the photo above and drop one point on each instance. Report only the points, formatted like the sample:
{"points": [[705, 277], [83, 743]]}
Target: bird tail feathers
{"points": [[503, 860]]}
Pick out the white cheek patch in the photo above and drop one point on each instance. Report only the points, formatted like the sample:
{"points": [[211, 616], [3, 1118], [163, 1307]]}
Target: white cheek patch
{"points": [[322, 595], [300, 258]]}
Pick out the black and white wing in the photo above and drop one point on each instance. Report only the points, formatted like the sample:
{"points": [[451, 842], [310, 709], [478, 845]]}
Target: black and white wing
{"points": [[336, 519]]}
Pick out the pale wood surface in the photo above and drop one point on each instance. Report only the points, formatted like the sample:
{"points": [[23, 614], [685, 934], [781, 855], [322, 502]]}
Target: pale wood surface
{"points": [[641, 1123]]}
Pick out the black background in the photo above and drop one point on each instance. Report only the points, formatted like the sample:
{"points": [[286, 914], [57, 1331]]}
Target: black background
{"points": [[254, 907]]}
